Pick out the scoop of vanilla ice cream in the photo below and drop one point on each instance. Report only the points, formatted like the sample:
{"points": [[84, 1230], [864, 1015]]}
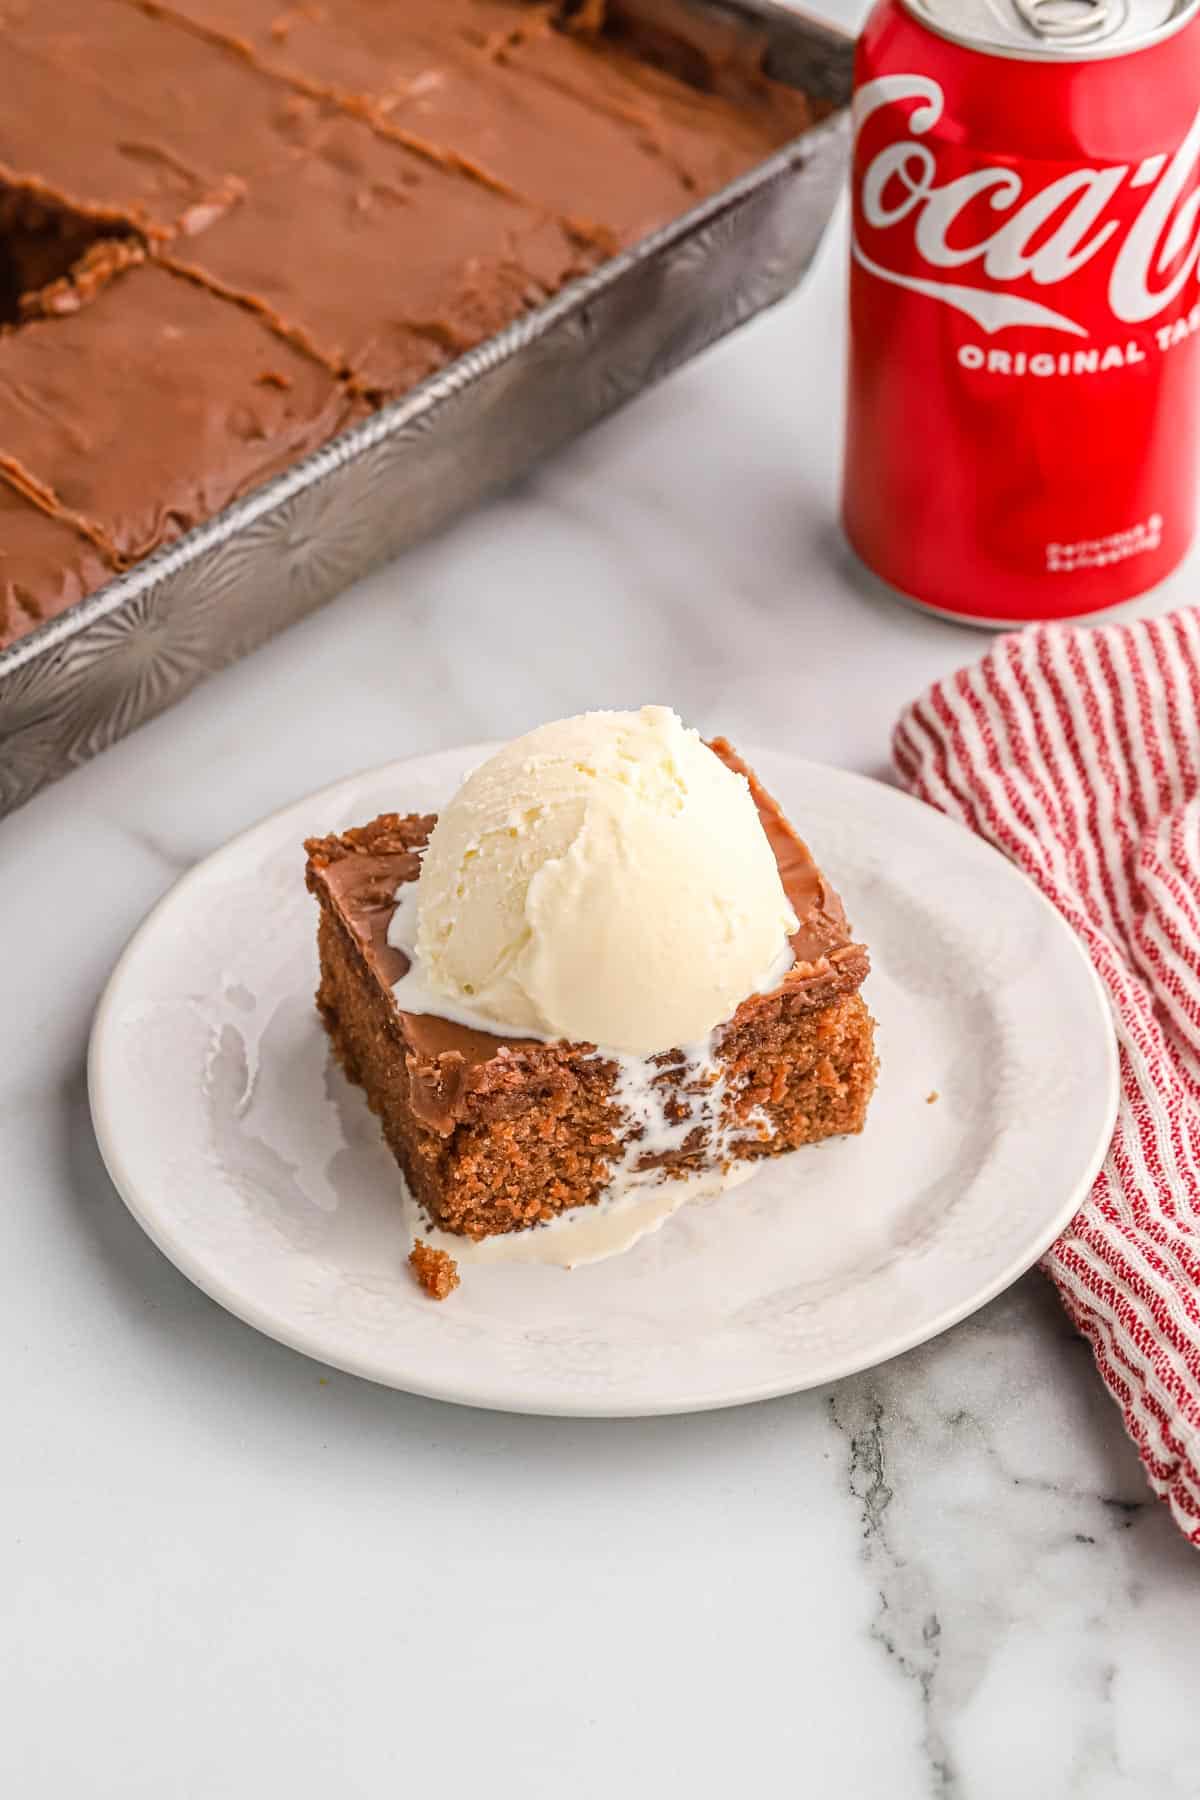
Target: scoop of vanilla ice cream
{"points": [[605, 879]]}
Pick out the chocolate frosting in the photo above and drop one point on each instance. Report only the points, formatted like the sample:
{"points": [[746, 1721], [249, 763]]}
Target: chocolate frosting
{"points": [[357, 878], [46, 564], [232, 403], [822, 929], [363, 889]]}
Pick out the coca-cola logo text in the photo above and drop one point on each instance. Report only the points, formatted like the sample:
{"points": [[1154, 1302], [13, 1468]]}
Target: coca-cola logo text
{"points": [[1045, 236]]}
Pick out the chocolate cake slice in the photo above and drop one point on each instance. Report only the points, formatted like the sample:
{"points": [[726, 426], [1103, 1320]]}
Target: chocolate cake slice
{"points": [[232, 403], [498, 1134], [104, 109]]}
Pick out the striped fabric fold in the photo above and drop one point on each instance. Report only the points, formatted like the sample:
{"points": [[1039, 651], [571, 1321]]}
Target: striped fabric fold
{"points": [[1076, 751]]}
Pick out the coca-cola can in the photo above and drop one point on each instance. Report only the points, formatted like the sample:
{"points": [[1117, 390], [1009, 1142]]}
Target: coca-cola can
{"points": [[1024, 302]]}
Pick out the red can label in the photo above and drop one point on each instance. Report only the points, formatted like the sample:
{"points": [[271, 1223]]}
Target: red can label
{"points": [[1022, 403]]}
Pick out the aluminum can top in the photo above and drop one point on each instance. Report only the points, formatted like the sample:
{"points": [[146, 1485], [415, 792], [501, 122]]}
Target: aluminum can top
{"points": [[1054, 30]]}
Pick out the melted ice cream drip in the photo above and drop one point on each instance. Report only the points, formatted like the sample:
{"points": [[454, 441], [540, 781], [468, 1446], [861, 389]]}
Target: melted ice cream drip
{"points": [[636, 1200]]}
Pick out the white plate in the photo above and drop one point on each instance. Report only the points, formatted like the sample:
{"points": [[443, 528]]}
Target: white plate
{"points": [[251, 1162]]}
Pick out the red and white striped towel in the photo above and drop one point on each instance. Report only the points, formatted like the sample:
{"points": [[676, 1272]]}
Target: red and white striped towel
{"points": [[1077, 752]]}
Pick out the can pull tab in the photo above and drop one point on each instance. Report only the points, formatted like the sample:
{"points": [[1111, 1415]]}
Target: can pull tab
{"points": [[1068, 21]]}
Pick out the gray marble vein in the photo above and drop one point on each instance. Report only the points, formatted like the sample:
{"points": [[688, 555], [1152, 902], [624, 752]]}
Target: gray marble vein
{"points": [[1018, 1560]]}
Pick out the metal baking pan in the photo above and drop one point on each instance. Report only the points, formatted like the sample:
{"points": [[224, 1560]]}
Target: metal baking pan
{"points": [[141, 642]]}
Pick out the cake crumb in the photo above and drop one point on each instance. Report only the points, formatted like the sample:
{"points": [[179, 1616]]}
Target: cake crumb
{"points": [[436, 1272], [931, 1096]]}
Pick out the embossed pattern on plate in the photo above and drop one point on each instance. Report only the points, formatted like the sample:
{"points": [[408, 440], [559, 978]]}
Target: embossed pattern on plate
{"points": [[259, 1171], [128, 651]]}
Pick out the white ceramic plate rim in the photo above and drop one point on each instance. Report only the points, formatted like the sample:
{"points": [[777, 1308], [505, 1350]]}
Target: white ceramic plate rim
{"points": [[500, 1397]]}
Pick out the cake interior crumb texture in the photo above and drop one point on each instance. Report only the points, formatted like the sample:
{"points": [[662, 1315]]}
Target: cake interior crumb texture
{"points": [[496, 1135], [436, 1272], [228, 228]]}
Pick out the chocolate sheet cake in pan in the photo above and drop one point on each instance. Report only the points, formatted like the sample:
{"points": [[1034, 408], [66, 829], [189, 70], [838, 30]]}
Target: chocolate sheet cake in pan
{"points": [[291, 282]]}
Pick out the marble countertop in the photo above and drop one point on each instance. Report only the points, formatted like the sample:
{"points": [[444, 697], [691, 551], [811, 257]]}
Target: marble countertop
{"points": [[226, 1571]]}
